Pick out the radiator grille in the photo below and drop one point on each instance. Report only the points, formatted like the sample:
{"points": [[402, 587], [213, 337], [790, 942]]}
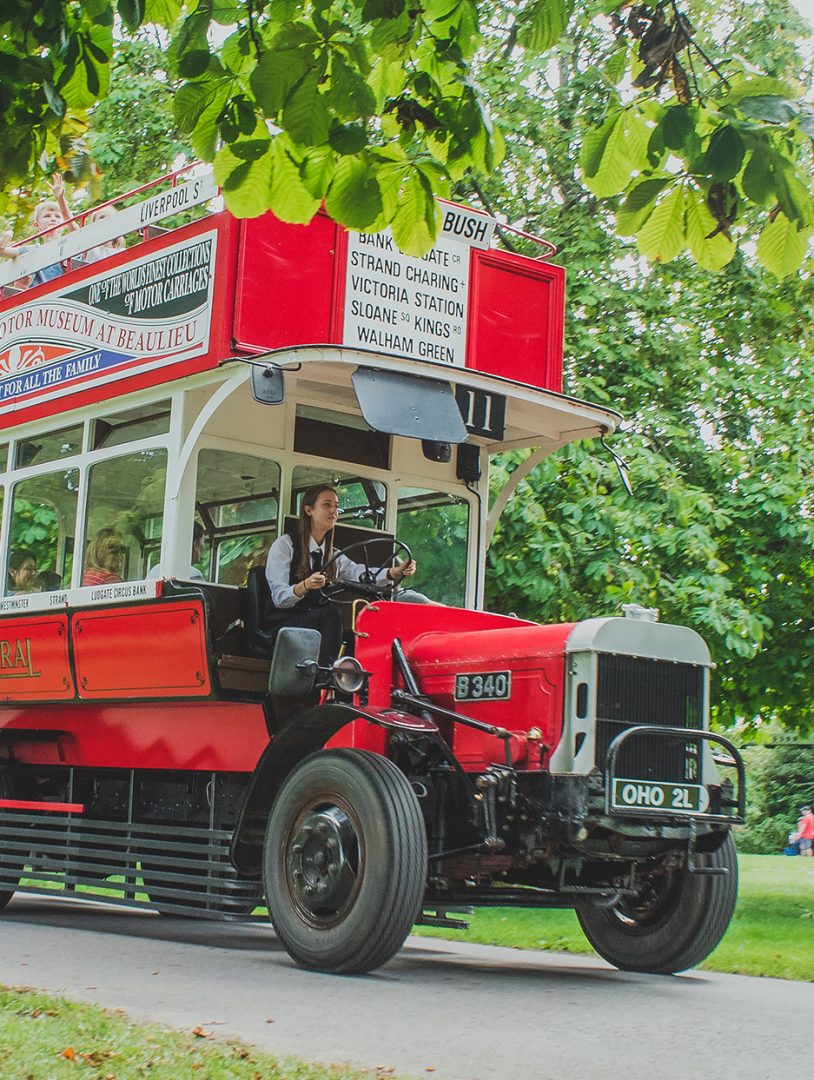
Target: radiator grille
{"points": [[633, 691]]}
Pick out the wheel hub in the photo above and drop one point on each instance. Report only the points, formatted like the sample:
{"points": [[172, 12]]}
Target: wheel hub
{"points": [[323, 862]]}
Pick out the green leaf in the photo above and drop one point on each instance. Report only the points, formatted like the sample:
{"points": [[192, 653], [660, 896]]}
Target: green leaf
{"points": [[386, 80], [305, 115], [678, 124], [725, 153], [774, 109], [806, 124], [710, 252], [757, 180], [382, 9], [543, 23], [418, 217], [348, 138], [163, 12], [291, 200], [354, 198], [612, 153], [189, 104], [245, 184], [349, 94], [639, 204], [782, 246], [131, 13], [746, 86], [663, 234], [317, 170], [193, 63], [275, 76]]}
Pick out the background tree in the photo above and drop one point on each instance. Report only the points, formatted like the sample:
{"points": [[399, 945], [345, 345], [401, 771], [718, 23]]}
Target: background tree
{"points": [[711, 371]]}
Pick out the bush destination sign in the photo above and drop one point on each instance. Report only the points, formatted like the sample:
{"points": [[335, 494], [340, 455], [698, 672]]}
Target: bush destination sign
{"points": [[411, 307], [154, 311]]}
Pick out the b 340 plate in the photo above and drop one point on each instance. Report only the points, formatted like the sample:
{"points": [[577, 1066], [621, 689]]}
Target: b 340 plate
{"points": [[662, 798], [483, 686]]}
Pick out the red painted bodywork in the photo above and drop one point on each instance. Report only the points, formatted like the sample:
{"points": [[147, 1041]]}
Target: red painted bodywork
{"points": [[291, 291], [206, 735], [441, 642], [146, 650], [280, 285], [41, 641]]}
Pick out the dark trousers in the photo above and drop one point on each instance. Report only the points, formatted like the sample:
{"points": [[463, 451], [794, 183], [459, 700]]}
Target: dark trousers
{"points": [[325, 618]]}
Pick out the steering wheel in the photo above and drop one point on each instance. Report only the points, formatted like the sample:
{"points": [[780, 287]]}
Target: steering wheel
{"points": [[368, 586]]}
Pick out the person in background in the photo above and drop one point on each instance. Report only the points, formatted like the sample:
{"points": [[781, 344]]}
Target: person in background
{"points": [[295, 578], [805, 831], [112, 247], [193, 573], [48, 215], [104, 558], [22, 572]]}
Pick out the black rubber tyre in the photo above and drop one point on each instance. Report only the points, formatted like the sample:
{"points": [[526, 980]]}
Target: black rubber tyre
{"points": [[344, 861], [674, 924]]}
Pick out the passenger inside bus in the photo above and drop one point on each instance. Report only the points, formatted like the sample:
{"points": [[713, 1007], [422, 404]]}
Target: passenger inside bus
{"points": [[192, 573], [22, 572], [104, 558], [295, 576]]}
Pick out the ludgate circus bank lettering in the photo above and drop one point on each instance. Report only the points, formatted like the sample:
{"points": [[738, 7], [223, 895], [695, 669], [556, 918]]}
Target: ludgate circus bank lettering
{"points": [[179, 729]]}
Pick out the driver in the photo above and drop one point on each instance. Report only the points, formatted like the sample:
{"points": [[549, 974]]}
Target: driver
{"points": [[295, 576]]}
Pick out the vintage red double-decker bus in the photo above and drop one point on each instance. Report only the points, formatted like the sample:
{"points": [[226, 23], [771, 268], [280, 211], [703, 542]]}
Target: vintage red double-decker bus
{"points": [[159, 747]]}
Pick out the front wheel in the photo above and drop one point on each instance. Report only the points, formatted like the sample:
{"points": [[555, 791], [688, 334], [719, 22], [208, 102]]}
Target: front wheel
{"points": [[344, 861], [673, 922]]}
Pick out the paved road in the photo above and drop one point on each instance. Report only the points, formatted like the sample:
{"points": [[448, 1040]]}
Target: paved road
{"points": [[448, 1010]]}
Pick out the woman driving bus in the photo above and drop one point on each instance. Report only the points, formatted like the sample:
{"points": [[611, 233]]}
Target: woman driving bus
{"points": [[294, 571]]}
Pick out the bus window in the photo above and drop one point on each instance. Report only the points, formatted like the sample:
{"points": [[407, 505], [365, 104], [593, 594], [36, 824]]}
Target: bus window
{"points": [[3, 457], [48, 447], [143, 422], [362, 501], [238, 502], [434, 525], [340, 436], [43, 526], [124, 517]]}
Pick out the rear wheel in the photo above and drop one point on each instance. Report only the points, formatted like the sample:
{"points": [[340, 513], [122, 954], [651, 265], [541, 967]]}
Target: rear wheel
{"points": [[673, 922], [345, 861]]}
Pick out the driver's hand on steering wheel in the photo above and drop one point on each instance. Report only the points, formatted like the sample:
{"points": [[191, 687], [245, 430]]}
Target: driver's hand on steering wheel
{"points": [[314, 581], [402, 570]]}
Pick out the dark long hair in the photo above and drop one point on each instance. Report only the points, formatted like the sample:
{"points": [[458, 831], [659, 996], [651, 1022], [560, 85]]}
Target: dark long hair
{"points": [[304, 533]]}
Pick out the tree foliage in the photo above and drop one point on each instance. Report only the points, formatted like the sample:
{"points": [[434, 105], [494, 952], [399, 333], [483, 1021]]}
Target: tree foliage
{"points": [[372, 106], [711, 371], [780, 781]]}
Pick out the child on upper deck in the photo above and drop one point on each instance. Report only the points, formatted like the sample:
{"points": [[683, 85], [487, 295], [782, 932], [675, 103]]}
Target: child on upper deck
{"points": [[48, 215]]}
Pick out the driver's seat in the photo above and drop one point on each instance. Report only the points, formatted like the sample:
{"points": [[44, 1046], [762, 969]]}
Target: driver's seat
{"points": [[258, 596]]}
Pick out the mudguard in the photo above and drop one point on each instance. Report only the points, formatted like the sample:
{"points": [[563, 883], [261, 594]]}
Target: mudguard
{"points": [[307, 732]]}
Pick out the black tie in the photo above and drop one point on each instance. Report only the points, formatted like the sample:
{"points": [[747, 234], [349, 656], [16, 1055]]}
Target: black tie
{"points": [[316, 560]]}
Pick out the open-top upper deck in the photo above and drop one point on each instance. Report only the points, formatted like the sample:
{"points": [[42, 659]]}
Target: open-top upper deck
{"points": [[190, 299]]}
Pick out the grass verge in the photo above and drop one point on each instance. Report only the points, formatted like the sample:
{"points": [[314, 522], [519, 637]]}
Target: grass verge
{"points": [[772, 933], [48, 1038]]}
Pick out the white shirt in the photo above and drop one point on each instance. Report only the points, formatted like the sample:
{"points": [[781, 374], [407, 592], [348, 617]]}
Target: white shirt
{"points": [[278, 570]]}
